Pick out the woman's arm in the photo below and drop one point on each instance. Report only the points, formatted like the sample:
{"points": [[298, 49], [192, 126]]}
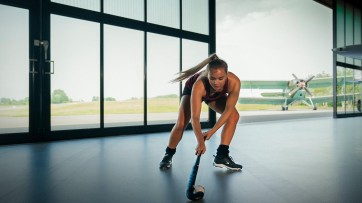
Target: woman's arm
{"points": [[231, 101], [198, 91]]}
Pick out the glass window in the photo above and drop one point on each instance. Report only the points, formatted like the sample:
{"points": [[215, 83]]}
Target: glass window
{"points": [[14, 66], [195, 16], [349, 89], [358, 90], [341, 90], [164, 12], [340, 28], [193, 53], [93, 5], [163, 62], [357, 32], [349, 29], [123, 76], [133, 9], [75, 84]]}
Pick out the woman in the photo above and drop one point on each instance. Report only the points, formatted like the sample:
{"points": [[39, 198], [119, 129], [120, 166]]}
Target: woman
{"points": [[219, 89]]}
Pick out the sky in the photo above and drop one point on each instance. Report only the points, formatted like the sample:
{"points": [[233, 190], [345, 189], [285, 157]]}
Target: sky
{"points": [[271, 39], [14, 56], [259, 39]]}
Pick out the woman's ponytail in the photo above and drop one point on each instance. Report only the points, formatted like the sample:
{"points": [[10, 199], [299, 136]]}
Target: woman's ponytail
{"points": [[187, 73]]}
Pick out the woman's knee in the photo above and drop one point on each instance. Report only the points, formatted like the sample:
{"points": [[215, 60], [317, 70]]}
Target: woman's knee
{"points": [[181, 125], [235, 116]]}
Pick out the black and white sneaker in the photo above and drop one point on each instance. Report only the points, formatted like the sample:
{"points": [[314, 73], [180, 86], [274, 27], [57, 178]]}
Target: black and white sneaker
{"points": [[166, 162], [226, 162]]}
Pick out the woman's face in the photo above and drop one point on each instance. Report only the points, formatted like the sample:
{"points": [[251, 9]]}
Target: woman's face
{"points": [[217, 78]]}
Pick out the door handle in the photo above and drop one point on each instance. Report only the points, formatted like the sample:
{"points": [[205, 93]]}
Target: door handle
{"points": [[52, 65], [45, 45]]}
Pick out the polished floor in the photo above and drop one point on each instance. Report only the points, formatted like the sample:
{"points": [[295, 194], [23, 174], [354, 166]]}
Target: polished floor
{"points": [[303, 160]]}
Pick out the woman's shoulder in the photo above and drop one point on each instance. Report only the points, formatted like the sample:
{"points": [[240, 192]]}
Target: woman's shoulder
{"points": [[201, 76], [233, 77], [201, 82]]}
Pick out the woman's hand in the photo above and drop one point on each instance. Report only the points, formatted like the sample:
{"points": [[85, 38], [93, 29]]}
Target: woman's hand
{"points": [[207, 135], [200, 148]]}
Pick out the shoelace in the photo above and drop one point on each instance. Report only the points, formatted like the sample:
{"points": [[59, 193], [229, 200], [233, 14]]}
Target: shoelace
{"points": [[167, 157]]}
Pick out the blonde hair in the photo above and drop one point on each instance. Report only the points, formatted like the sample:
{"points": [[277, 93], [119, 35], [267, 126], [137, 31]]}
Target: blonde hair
{"points": [[213, 61]]}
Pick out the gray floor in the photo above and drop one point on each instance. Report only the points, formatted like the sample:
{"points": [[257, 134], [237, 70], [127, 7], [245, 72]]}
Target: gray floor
{"points": [[305, 160]]}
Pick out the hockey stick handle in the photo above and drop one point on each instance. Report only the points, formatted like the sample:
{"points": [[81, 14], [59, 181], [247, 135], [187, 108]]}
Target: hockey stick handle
{"points": [[195, 169], [192, 179]]}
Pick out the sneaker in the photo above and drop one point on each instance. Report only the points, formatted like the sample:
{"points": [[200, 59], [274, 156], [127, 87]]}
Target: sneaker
{"points": [[166, 162], [227, 162]]}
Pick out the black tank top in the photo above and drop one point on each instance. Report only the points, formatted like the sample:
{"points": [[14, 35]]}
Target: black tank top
{"points": [[207, 98]]}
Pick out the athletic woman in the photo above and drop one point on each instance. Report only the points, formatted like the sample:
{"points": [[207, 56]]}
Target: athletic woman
{"points": [[219, 89]]}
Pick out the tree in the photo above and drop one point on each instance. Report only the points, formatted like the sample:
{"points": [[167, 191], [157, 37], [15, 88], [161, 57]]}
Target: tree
{"points": [[9, 101], [59, 96], [110, 99], [6, 101]]}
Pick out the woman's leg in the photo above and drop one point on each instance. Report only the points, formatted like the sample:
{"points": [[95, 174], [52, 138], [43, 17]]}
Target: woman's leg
{"points": [[222, 158], [230, 125], [183, 119]]}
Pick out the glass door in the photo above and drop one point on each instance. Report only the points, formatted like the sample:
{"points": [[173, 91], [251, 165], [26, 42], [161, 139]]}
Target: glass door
{"points": [[50, 76], [15, 66], [75, 84], [23, 78]]}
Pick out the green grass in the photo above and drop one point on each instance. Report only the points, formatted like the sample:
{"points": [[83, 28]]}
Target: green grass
{"points": [[134, 106], [14, 111], [72, 109]]}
